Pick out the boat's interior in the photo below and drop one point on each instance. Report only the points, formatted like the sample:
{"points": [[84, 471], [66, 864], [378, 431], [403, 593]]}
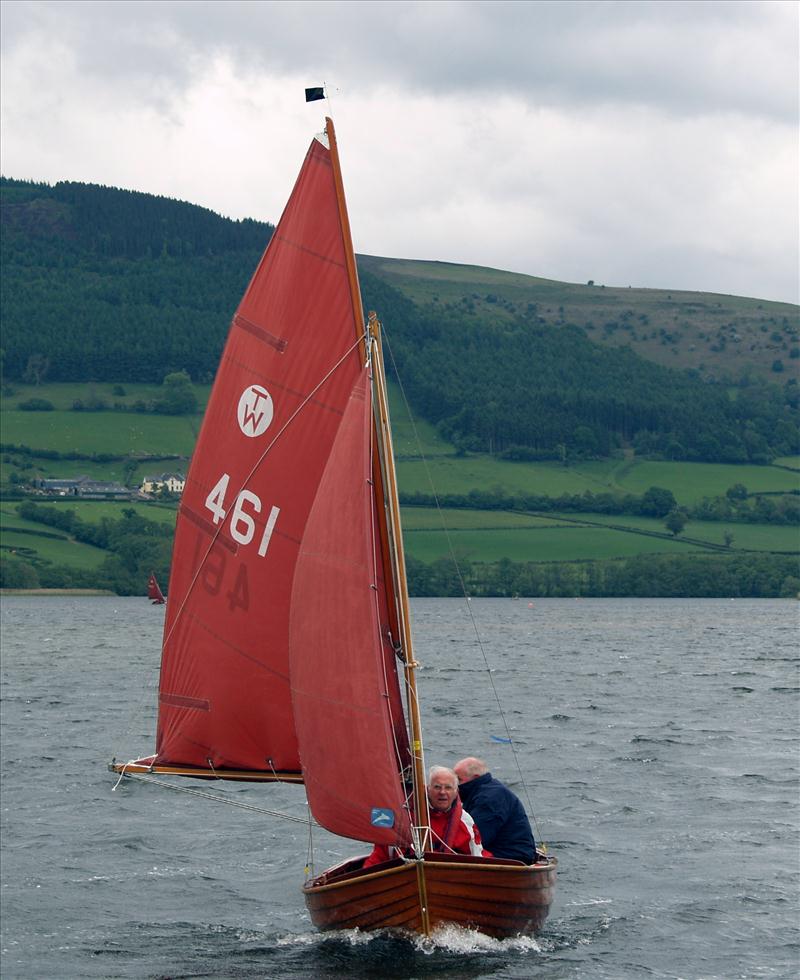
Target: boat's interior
{"points": [[354, 867]]}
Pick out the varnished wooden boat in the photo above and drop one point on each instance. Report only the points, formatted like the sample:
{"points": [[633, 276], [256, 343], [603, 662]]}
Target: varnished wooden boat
{"points": [[494, 896]]}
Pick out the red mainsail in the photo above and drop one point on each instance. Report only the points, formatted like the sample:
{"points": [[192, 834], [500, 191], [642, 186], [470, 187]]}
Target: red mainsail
{"points": [[283, 505]]}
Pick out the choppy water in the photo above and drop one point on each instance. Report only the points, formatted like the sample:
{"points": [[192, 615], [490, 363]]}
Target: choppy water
{"points": [[658, 740]]}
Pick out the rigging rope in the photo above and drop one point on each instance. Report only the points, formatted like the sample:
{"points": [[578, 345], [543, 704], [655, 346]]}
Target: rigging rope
{"points": [[463, 590], [209, 796], [309, 869]]}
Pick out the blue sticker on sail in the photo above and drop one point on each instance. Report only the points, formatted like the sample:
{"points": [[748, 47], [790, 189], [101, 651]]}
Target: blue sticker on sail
{"points": [[381, 817]]}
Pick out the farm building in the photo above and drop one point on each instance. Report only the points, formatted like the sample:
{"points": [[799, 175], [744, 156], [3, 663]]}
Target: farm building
{"points": [[82, 486]]}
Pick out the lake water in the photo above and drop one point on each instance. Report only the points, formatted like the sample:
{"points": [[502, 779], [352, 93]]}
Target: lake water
{"points": [[658, 740]]}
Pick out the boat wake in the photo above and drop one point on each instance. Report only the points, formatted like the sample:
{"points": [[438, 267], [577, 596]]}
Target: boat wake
{"points": [[455, 939], [445, 939]]}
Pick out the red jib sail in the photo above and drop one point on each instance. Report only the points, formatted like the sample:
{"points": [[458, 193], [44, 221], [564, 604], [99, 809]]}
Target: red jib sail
{"points": [[341, 657], [278, 426]]}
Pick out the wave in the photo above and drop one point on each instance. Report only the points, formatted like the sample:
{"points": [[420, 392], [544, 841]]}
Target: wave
{"points": [[444, 939], [659, 741]]}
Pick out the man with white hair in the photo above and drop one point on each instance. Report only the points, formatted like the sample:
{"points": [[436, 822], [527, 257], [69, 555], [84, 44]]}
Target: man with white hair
{"points": [[499, 814], [453, 831]]}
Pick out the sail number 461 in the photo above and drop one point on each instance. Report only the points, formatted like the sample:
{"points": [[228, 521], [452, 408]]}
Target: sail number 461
{"points": [[242, 526]]}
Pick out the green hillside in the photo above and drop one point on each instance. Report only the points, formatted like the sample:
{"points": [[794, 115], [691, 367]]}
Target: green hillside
{"points": [[559, 426], [716, 335], [106, 284], [510, 383], [125, 287]]}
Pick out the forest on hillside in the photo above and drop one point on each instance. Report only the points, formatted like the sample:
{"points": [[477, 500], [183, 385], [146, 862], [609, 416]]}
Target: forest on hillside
{"points": [[118, 285], [517, 388], [109, 285]]}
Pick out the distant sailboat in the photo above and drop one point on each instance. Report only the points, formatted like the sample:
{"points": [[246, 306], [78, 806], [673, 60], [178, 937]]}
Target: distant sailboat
{"points": [[288, 625], [154, 593]]}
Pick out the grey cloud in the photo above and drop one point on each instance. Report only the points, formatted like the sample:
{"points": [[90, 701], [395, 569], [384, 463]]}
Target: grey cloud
{"points": [[657, 145], [689, 56]]}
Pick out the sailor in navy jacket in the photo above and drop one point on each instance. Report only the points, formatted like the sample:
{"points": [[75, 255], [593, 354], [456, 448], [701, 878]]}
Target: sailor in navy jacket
{"points": [[499, 814]]}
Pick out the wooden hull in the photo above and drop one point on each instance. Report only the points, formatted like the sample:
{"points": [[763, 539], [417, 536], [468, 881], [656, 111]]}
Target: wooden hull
{"points": [[493, 896]]}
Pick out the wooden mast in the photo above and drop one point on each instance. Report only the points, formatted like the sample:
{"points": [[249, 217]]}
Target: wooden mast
{"points": [[349, 254], [395, 541], [385, 436]]}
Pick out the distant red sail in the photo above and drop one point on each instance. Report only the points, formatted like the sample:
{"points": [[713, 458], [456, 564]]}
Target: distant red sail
{"points": [[284, 382], [341, 660], [154, 593]]}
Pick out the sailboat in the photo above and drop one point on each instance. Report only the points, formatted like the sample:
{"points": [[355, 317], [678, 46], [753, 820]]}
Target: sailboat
{"points": [[287, 637], [154, 593]]}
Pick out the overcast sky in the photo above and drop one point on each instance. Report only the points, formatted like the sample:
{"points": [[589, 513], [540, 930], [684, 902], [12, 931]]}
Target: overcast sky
{"points": [[633, 143]]}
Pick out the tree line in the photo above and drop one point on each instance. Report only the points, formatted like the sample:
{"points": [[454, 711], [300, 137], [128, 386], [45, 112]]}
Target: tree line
{"points": [[643, 576], [136, 546], [737, 505]]}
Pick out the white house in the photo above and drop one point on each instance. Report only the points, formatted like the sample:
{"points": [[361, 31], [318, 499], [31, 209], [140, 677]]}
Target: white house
{"points": [[173, 482]]}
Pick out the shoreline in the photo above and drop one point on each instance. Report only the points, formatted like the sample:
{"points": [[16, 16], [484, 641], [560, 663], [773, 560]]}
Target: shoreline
{"points": [[48, 592]]}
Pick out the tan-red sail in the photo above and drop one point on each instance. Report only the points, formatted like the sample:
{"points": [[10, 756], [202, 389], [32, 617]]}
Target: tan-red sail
{"points": [[285, 379], [154, 592], [341, 658]]}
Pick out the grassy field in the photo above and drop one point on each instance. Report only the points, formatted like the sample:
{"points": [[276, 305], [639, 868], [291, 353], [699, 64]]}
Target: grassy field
{"points": [[689, 482], [120, 433], [113, 472], [133, 432], [60, 551], [423, 457], [62, 394], [64, 550], [473, 534], [460, 475], [491, 535], [566, 543], [431, 519], [747, 537], [75, 554], [94, 511]]}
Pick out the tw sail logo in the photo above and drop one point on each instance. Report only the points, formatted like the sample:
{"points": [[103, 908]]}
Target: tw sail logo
{"points": [[255, 411]]}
